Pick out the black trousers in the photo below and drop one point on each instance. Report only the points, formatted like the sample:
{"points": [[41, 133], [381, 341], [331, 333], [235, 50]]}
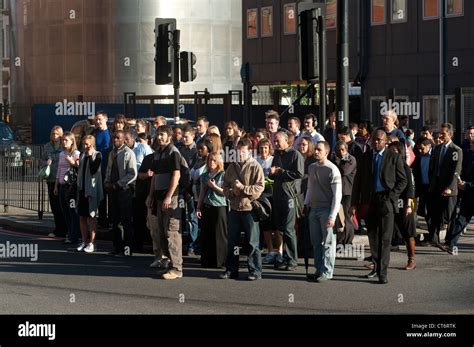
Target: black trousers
{"points": [[214, 236], [104, 206], [462, 220], [59, 222], [425, 204], [442, 210], [346, 237], [380, 224], [285, 221], [140, 230], [122, 212]]}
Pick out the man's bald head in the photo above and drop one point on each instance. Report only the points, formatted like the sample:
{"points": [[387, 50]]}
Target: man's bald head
{"points": [[379, 140]]}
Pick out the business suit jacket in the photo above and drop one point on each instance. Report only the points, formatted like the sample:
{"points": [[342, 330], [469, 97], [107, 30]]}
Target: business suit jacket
{"points": [[393, 178], [452, 163]]}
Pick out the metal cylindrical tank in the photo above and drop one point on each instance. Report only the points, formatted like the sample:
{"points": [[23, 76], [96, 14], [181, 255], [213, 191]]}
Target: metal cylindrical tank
{"points": [[101, 49]]}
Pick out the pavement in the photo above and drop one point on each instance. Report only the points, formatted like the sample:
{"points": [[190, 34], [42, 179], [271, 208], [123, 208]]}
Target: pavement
{"points": [[63, 281]]}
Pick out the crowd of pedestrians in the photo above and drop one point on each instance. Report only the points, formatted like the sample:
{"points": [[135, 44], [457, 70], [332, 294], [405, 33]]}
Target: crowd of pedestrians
{"points": [[277, 186]]}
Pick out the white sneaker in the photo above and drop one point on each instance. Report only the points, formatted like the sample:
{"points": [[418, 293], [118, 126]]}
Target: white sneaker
{"points": [[81, 247], [90, 248], [51, 235], [156, 263]]}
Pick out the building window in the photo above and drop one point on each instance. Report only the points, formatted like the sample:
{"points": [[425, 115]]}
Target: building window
{"points": [[377, 12], [451, 109], [331, 14], [267, 21], [430, 9], [290, 19], [454, 8], [399, 11], [431, 111], [252, 21]]}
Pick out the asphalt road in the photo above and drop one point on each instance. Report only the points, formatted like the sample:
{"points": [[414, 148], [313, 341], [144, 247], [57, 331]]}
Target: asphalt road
{"points": [[63, 281]]}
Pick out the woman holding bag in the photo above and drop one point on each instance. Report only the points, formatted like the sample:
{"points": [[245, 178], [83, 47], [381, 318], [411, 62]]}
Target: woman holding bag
{"points": [[212, 210], [89, 188]]}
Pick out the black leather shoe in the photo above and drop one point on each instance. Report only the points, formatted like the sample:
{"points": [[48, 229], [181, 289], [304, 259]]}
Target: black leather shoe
{"points": [[322, 279], [424, 243], [445, 248], [228, 275], [281, 266], [383, 280], [371, 274]]}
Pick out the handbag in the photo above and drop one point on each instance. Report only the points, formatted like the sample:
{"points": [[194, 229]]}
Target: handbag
{"points": [[298, 207], [261, 206], [410, 155], [71, 176], [340, 222], [44, 172]]}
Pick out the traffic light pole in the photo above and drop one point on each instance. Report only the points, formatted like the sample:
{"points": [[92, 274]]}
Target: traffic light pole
{"points": [[322, 69], [342, 83], [176, 76]]}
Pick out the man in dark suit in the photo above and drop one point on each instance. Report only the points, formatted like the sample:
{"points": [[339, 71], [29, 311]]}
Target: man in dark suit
{"points": [[379, 181], [466, 185], [445, 164]]}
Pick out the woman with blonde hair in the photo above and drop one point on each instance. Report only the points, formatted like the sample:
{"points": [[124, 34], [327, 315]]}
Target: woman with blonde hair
{"points": [[89, 187], [212, 210], [66, 185], [50, 158], [213, 130]]}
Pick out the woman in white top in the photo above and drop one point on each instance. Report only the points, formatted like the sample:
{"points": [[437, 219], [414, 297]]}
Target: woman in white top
{"points": [[66, 188]]}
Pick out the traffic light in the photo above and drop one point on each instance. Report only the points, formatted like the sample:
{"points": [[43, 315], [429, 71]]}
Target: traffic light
{"points": [[188, 72], [164, 57], [309, 48]]}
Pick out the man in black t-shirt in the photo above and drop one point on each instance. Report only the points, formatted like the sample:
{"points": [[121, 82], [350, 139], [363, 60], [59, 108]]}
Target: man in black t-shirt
{"points": [[163, 197]]}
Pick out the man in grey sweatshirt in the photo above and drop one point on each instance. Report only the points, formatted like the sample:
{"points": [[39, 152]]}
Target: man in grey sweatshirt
{"points": [[323, 197]]}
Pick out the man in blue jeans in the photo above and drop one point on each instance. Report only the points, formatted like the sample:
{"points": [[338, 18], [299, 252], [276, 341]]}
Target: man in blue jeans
{"points": [[244, 182], [189, 152], [323, 196]]}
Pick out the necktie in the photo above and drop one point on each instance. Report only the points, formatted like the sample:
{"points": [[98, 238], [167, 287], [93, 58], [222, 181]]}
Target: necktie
{"points": [[441, 157], [376, 169]]}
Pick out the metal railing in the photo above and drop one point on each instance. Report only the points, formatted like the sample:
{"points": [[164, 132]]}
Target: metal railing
{"points": [[19, 183]]}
